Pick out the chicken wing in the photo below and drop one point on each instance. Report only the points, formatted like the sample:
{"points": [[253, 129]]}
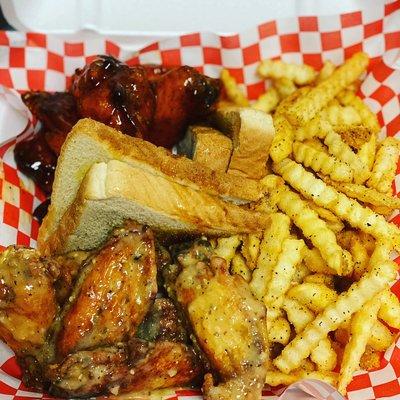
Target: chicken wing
{"points": [[112, 294], [229, 324]]}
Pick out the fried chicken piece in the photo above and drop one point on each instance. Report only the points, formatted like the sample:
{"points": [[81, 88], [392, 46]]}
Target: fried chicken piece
{"points": [[112, 294], [117, 95], [229, 324], [27, 298], [135, 366]]}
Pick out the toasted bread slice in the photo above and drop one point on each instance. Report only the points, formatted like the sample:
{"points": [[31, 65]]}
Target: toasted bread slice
{"points": [[207, 146], [91, 142], [115, 191], [251, 132]]}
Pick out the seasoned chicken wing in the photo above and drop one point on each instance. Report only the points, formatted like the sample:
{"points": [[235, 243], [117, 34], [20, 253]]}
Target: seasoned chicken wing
{"points": [[112, 294], [229, 324]]}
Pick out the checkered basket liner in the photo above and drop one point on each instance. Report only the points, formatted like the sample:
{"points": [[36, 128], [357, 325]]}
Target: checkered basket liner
{"points": [[45, 62]]}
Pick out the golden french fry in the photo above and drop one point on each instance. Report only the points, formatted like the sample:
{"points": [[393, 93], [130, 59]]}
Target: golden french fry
{"points": [[343, 152], [270, 248], [323, 279], [282, 276], [370, 359], [239, 267], [346, 305], [360, 257], [285, 87], [316, 144], [301, 273], [279, 331], [306, 107], [367, 152], [324, 355], [313, 228], [356, 135], [361, 325], [384, 169], [226, 247], [345, 208], [314, 262], [250, 249], [338, 115], [276, 378], [383, 210], [319, 161], [268, 101], [332, 221], [282, 142], [314, 296], [298, 314], [380, 337], [326, 71], [366, 195], [276, 69], [390, 309], [315, 128], [233, 92]]}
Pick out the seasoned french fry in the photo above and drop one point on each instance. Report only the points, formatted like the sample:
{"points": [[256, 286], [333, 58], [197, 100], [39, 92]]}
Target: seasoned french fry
{"points": [[268, 101], [323, 279], [306, 107], [276, 69], [346, 305], [314, 262], [370, 359], [313, 228], [316, 127], [239, 267], [384, 169], [314, 296], [345, 208], [390, 309], [338, 115], [282, 276], [342, 151], [380, 337], [285, 87], [279, 331], [360, 257], [301, 273], [361, 325], [367, 152], [226, 247], [356, 135], [324, 356], [282, 142], [316, 144], [321, 162], [298, 314], [233, 92], [366, 195], [326, 71], [251, 248], [270, 248], [276, 378]]}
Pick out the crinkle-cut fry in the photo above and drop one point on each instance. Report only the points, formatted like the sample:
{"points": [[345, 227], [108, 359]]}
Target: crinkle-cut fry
{"points": [[268, 101], [390, 309], [239, 267], [277, 378], [279, 331], [380, 337], [298, 314], [282, 275], [314, 262], [381, 252], [354, 135], [343, 152], [326, 71], [345, 208], [300, 74], [370, 360], [314, 296], [313, 228], [339, 115], [315, 128], [226, 247], [369, 119], [270, 248], [251, 248], [346, 305], [233, 91], [324, 356], [323, 279], [361, 325], [307, 106], [316, 144], [383, 210], [360, 257], [385, 165], [301, 273], [319, 161], [367, 151], [281, 146], [285, 87], [364, 194]]}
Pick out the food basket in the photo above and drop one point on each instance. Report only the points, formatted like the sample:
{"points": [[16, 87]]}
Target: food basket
{"points": [[45, 62]]}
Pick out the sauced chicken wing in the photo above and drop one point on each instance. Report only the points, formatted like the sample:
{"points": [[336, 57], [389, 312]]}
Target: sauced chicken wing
{"points": [[229, 324], [112, 294], [135, 366]]}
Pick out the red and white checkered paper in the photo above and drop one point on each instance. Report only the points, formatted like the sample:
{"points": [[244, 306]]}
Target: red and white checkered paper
{"points": [[43, 62]]}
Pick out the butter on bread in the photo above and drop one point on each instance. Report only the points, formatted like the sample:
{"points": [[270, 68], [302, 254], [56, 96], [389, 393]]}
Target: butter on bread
{"points": [[207, 146], [92, 142], [251, 132]]}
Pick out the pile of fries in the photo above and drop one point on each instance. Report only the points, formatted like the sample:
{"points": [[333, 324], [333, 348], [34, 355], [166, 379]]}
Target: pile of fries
{"points": [[323, 268]]}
